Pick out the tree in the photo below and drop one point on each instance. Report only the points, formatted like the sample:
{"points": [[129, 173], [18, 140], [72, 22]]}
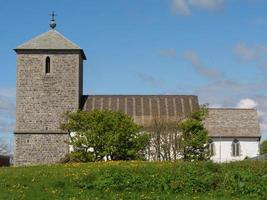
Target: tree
{"points": [[3, 148], [194, 136], [105, 135], [263, 147], [164, 139]]}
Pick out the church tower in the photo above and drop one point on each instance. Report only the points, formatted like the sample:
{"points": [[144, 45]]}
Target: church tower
{"points": [[49, 83]]}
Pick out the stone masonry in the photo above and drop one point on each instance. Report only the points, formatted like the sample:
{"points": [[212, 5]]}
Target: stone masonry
{"points": [[40, 148], [42, 99]]}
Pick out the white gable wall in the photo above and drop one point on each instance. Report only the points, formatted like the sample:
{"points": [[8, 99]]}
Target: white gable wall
{"points": [[249, 147]]}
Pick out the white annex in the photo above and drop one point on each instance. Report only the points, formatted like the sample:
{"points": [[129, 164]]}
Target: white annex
{"points": [[234, 134]]}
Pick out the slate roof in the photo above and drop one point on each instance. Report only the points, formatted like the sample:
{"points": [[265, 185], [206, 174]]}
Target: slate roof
{"points": [[144, 108], [50, 40], [226, 122]]}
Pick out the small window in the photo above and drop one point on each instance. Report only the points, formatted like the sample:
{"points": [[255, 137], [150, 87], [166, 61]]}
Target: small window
{"points": [[236, 148], [211, 147], [47, 65]]}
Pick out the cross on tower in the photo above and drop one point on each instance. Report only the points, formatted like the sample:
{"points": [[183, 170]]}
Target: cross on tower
{"points": [[53, 21], [53, 15]]}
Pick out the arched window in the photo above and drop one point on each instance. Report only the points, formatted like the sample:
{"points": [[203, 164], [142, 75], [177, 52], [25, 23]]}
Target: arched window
{"points": [[211, 147], [236, 148], [47, 65]]}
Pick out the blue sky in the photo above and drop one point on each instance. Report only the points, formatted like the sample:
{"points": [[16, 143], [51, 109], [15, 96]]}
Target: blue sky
{"points": [[216, 49]]}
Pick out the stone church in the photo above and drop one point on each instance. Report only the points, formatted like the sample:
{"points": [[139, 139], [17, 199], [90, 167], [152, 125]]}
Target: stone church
{"points": [[50, 82]]}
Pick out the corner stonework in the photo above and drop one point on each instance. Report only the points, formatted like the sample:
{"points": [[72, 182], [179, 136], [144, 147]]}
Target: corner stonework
{"points": [[40, 148]]}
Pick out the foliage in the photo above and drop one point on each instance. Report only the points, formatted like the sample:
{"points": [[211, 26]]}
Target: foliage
{"points": [[3, 148], [105, 134], [194, 136], [136, 180], [263, 147], [164, 139]]}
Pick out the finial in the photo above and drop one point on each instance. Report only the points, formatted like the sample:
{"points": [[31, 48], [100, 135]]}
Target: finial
{"points": [[53, 23]]}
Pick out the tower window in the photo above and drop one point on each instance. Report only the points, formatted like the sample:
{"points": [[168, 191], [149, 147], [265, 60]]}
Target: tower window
{"points": [[236, 148], [47, 65]]}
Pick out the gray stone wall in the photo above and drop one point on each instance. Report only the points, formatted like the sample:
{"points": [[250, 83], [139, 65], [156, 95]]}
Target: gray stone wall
{"points": [[41, 101], [40, 148], [43, 98]]}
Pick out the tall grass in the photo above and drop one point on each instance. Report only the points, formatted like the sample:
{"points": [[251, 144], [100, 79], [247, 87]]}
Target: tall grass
{"points": [[136, 180]]}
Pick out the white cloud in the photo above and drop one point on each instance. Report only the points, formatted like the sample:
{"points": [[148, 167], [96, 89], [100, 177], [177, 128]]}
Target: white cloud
{"points": [[180, 7], [184, 7], [249, 53], [261, 108], [261, 105], [199, 67], [244, 53], [206, 4], [247, 103], [262, 112], [263, 120]]}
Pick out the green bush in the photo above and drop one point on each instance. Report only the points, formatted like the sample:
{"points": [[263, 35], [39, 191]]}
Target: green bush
{"points": [[104, 134]]}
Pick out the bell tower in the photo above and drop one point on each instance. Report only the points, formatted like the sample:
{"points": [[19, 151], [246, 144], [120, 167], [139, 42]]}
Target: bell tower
{"points": [[49, 83]]}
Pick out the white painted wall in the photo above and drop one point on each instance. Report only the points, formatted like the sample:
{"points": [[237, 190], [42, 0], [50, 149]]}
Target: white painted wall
{"points": [[249, 147], [72, 134]]}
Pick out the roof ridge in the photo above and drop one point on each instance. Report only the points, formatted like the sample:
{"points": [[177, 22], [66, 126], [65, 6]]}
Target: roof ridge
{"points": [[232, 108], [34, 38], [93, 95], [43, 40], [50, 40], [66, 38]]}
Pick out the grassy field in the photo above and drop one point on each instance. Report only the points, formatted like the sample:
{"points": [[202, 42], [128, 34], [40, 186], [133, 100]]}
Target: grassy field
{"points": [[136, 180]]}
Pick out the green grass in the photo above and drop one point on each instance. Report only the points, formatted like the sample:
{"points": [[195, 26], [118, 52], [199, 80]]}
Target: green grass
{"points": [[136, 180]]}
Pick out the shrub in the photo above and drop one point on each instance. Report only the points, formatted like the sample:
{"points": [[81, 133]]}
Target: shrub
{"points": [[104, 134]]}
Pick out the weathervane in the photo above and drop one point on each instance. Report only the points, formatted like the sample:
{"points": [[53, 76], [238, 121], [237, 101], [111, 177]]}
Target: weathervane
{"points": [[53, 23]]}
